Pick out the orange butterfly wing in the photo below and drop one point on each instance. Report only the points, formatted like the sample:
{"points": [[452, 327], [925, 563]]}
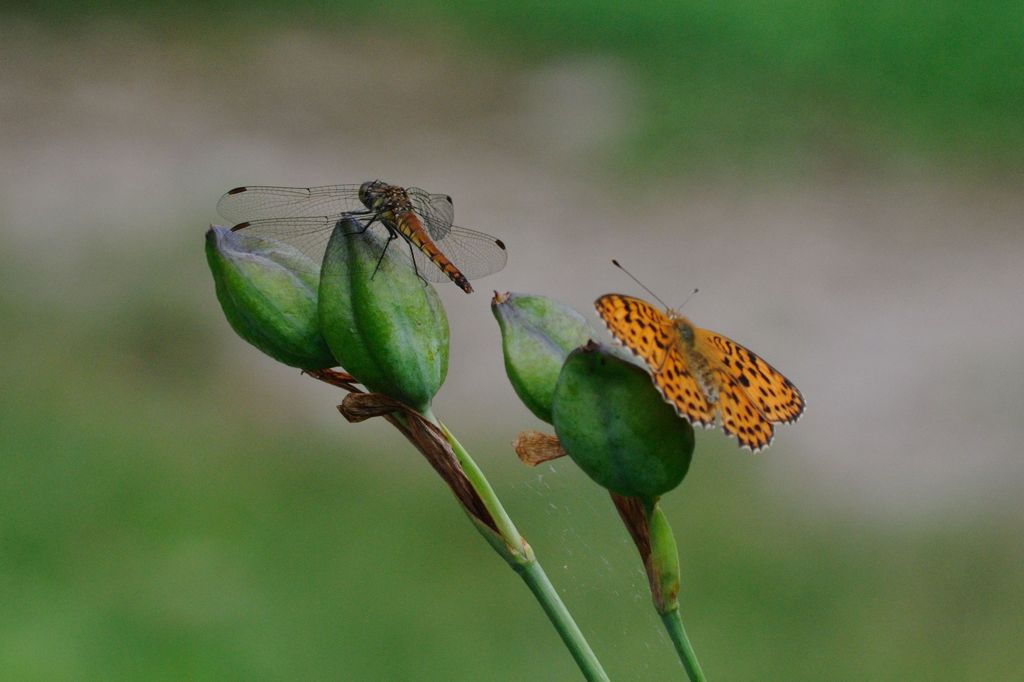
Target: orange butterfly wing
{"points": [[679, 388], [741, 417], [649, 333], [772, 395]]}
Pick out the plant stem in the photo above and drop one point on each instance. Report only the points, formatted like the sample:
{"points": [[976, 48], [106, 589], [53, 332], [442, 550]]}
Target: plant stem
{"points": [[537, 580], [674, 625], [483, 488], [520, 557]]}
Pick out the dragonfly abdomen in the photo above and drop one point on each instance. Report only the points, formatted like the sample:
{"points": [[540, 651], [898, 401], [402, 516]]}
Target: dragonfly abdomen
{"points": [[408, 223]]}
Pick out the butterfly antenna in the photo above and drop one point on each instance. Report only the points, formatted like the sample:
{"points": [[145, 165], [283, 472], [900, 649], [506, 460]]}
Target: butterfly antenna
{"points": [[642, 285], [688, 298]]}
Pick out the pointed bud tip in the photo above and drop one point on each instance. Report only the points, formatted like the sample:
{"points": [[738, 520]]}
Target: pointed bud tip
{"points": [[267, 291], [537, 335]]}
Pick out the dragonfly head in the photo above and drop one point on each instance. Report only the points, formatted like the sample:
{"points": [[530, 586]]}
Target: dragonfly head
{"points": [[371, 193]]}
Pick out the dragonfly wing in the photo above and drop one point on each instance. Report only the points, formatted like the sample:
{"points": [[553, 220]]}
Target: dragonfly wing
{"points": [[437, 211], [476, 254], [305, 216], [309, 235], [258, 202]]}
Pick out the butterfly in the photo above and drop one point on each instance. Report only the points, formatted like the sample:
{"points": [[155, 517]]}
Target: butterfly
{"points": [[703, 374]]}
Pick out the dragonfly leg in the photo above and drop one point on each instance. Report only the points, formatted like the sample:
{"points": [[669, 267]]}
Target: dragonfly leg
{"points": [[391, 237], [415, 268], [373, 218]]}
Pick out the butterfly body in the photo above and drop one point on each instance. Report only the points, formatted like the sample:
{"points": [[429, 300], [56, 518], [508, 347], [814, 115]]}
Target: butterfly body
{"points": [[702, 374], [696, 361]]}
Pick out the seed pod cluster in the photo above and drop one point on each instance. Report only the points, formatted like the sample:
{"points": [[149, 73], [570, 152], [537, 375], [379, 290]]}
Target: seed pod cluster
{"points": [[607, 414]]}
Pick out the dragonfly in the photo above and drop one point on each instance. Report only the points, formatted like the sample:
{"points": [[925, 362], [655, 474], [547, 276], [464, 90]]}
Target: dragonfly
{"points": [[305, 217]]}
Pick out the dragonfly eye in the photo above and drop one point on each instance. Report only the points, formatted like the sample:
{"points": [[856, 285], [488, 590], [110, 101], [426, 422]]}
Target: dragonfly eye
{"points": [[365, 195]]}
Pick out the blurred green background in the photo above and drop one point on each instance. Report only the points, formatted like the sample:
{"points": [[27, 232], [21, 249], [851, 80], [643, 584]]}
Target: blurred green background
{"points": [[842, 181]]}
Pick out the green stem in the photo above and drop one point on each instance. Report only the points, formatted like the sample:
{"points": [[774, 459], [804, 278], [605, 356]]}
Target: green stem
{"points": [[483, 488], [676, 631], [537, 580], [664, 567], [520, 557]]}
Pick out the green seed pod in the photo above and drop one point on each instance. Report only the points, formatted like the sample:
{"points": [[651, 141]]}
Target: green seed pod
{"points": [[537, 335], [268, 291], [617, 428], [663, 562], [385, 325]]}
